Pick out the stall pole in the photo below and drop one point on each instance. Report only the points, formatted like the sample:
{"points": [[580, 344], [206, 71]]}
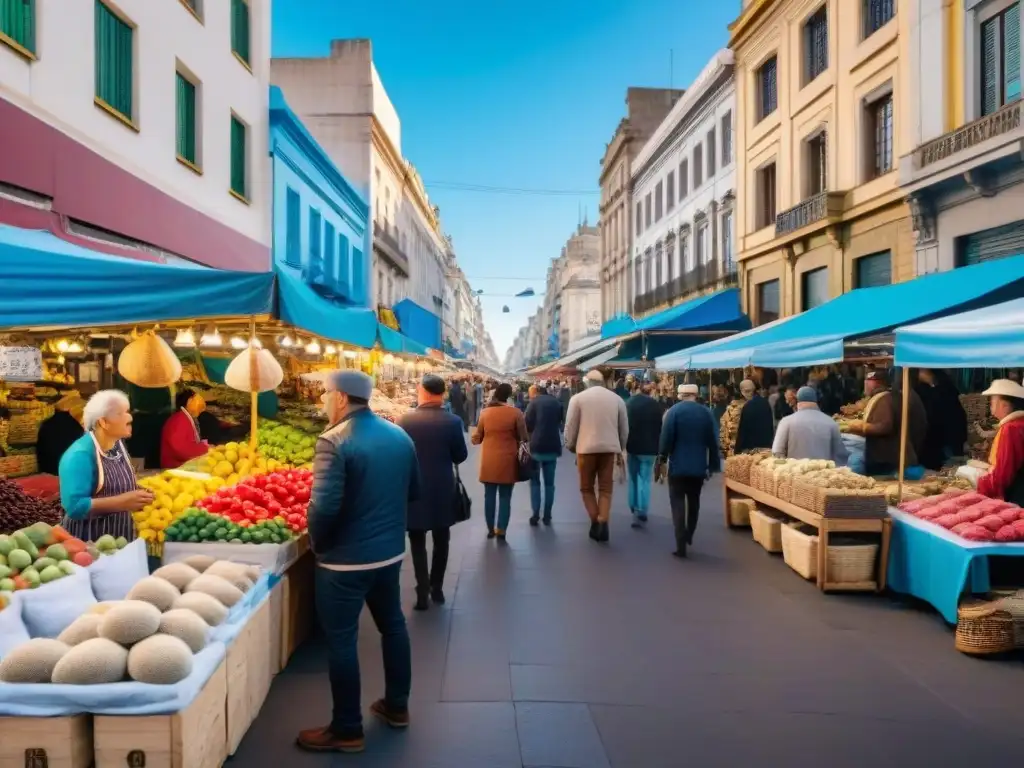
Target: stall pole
{"points": [[904, 415], [254, 384]]}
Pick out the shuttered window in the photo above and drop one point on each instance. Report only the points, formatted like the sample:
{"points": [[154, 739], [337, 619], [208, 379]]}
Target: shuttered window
{"points": [[816, 45], [1000, 60], [727, 139], [877, 13], [684, 180], [358, 279], [767, 80], [711, 152], [18, 25], [639, 218], [990, 244], [670, 191], [814, 285], [115, 80], [881, 116], [874, 270], [186, 118], [293, 229], [240, 29], [330, 267], [344, 267], [239, 154], [315, 273], [727, 257], [768, 302]]}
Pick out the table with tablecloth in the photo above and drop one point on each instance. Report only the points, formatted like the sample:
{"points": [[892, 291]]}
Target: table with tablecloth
{"points": [[937, 566]]}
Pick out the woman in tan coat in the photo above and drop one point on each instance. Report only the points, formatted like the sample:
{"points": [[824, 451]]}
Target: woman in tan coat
{"points": [[500, 431]]}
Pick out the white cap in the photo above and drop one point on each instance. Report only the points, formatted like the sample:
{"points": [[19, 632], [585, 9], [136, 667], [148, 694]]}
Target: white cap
{"points": [[595, 376], [1005, 388], [688, 390]]}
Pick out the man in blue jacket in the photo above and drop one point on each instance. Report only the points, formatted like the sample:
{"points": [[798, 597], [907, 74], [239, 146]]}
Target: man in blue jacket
{"points": [[689, 444], [544, 421], [365, 474]]}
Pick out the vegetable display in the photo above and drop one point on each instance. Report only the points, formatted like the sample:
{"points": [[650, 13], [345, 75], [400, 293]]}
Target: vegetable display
{"points": [[282, 494], [19, 510], [970, 515], [174, 491], [285, 443], [197, 525], [42, 553]]}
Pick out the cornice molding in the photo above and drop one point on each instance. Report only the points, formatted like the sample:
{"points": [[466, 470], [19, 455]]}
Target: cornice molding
{"points": [[400, 168]]}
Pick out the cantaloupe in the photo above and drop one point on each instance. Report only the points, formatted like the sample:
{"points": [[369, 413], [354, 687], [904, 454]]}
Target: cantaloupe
{"points": [[32, 662], [199, 562], [209, 609], [252, 572], [94, 662], [185, 625], [216, 587], [156, 592], [85, 627], [178, 574], [130, 622], [233, 573], [99, 609], [160, 660]]}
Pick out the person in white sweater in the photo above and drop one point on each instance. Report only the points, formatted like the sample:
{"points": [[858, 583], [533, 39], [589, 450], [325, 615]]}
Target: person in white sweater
{"points": [[808, 433], [596, 430]]}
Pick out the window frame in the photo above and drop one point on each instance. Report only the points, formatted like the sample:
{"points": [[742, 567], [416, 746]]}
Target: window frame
{"points": [[767, 101], [293, 228], [761, 209], [728, 257], [24, 48], [246, 60], [128, 120], [996, 13], [659, 202], [868, 28], [812, 46], [195, 9], [684, 179], [194, 163], [815, 145], [647, 211], [759, 294], [874, 165], [243, 196], [698, 166], [726, 130], [670, 191], [805, 278], [710, 141], [639, 218]]}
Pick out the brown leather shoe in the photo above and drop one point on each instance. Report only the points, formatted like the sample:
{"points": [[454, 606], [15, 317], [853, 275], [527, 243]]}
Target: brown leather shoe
{"points": [[323, 740], [392, 717]]}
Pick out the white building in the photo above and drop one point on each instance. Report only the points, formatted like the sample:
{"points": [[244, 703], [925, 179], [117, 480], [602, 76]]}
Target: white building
{"points": [[143, 123], [683, 190]]}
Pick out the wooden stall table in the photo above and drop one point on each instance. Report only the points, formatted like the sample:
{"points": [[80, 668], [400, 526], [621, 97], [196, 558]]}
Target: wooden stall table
{"points": [[825, 526]]}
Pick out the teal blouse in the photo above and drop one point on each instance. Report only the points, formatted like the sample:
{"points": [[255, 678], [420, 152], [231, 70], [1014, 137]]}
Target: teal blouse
{"points": [[79, 477]]}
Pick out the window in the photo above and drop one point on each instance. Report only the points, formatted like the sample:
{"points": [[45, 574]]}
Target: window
{"points": [[880, 125], [711, 153], [670, 190], [356, 290], [727, 258], [639, 218], [1000, 60], [877, 13], [684, 180], [814, 288], [670, 261], [293, 229], [767, 86], [816, 165], [684, 254], [330, 267], [186, 119], [344, 267], [767, 302], [657, 269], [238, 158], [647, 211], [115, 59], [727, 139], [648, 281], [195, 7], [816, 44], [874, 270], [658, 202], [638, 280], [18, 26], [315, 273], [703, 251], [765, 206], [240, 30], [698, 166]]}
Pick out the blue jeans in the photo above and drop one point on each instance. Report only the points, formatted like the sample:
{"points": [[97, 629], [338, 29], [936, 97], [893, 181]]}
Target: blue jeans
{"points": [[340, 596], [640, 473], [500, 493], [543, 468]]}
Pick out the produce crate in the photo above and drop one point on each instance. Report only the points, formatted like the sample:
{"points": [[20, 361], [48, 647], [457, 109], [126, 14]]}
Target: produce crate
{"points": [[800, 550], [53, 742], [193, 738], [739, 512], [248, 675], [851, 561], [784, 488], [769, 533]]}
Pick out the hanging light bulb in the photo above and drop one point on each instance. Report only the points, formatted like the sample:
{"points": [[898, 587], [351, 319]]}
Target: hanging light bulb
{"points": [[63, 346], [238, 343], [74, 347], [389, 359], [313, 348], [185, 338], [211, 339], [286, 341], [330, 349], [350, 354]]}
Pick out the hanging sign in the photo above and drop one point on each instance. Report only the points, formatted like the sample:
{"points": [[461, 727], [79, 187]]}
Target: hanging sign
{"points": [[21, 364]]}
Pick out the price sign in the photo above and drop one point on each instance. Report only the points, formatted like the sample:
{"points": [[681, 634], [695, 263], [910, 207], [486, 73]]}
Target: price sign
{"points": [[21, 364]]}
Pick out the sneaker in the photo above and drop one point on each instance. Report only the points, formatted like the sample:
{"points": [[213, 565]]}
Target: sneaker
{"points": [[642, 518], [437, 595], [500, 534], [325, 740], [490, 533], [393, 717], [547, 520], [534, 521], [422, 603]]}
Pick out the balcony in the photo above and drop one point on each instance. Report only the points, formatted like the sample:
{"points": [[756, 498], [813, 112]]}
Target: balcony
{"points": [[971, 135], [692, 282], [816, 209], [386, 244], [643, 303]]}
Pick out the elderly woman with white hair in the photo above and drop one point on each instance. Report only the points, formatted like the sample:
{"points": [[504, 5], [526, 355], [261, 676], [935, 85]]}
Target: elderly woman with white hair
{"points": [[98, 487]]}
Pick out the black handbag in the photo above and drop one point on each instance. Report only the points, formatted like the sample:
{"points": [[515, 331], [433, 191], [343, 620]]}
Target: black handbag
{"points": [[524, 463], [463, 504]]}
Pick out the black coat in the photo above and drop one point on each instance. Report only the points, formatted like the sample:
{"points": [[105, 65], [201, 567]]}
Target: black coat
{"points": [[440, 444], [947, 423], [757, 425], [543, 418], [56, 435], [645, 415]]}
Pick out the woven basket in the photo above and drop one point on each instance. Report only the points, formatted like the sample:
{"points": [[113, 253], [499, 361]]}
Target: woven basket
{"points": [[800, 549], [739, 512], [19, 465], [1014, 605], [838, 504], [768, 482], [851, 561], [784, 488], [803, 495], [984, 628], [769, 531]]}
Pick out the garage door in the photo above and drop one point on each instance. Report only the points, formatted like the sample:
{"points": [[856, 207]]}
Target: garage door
{"points": [[995, 243]]}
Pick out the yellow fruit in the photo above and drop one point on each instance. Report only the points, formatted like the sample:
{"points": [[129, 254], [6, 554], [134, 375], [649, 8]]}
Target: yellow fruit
{"points": [[223, 469], [147, 535], [231, 457], [231, 446], [243, 467], [164, 501], [233, 479]]}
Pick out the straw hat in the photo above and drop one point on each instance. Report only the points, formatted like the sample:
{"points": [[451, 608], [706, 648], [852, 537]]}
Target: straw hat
{"points": [[1005, 388]]}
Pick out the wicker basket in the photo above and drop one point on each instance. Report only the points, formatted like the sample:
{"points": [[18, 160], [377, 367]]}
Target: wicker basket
{"points": [[1014, 605], [768, 481], [851, 561], [739, 512], [19, 465], [803, 495], [838, 504], [800, 549], [984, 628], [769, 531], [784, 488]]}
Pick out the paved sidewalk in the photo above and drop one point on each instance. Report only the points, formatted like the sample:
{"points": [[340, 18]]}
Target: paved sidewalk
{"points": [[555, 652]]}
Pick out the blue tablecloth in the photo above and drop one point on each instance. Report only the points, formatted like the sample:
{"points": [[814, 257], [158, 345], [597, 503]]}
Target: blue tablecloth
{"points": [[935, 565]]}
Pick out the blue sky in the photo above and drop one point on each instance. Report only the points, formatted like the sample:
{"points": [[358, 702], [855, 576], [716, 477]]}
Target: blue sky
{"points": [[518, 95]]}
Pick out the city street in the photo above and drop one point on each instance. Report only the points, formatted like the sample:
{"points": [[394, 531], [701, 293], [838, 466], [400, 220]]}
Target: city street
{"points": [[555, 652]]}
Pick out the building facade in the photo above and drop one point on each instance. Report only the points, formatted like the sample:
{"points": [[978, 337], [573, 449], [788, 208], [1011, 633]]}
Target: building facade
{"points": [[571, 308], [684, 190], [964, 176], [820, 129], [645, 109], [154, 150]]}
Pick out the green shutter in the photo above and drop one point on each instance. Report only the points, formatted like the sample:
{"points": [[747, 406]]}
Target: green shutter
{"points": [[990, 66], [114, 61], [18, 22], [1011, 54], [293, 229], [330, 268], [238, 157], [240, 29], [186, 118]]}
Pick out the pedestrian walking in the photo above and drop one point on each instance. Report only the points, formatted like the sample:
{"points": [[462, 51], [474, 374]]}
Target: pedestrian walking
{"points": [[470, 392], [365, 474], [457, 398], [689, 445], [478, 388], [440, 448], [645, 415], [544, 424], [596, 430], [501, 430]]}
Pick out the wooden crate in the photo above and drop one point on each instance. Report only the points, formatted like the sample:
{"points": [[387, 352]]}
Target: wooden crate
{"points": [[248, 675], [299, 608], [193, 738], [53, 742]]}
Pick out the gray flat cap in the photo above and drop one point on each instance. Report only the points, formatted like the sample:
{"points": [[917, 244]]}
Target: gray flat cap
{"points": [[351, 383], [806, 395]]}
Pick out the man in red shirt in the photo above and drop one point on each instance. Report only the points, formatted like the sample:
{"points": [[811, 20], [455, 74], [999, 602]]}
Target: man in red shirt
{"points": [[1005, 479]]}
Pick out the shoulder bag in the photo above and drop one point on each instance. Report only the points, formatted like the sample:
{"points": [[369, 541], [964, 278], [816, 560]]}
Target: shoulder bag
{"points": [[524, 462], [463, 504]]}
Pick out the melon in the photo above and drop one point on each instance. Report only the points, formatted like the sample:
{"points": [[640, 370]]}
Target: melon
{"points": [[215, 586], [101, 608], [253, 573], [160, 660], [233, 573], [19, 559], [209, 609], [94, 662], [130, 622], [32, 662], [156, 592], [199, 562], [178, 574], [187, 626], [85, 627]]}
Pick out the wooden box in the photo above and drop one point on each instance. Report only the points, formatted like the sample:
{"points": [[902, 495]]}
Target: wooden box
{"points": [[299, 608], [193, 738], [248, 675], [53, 742], [276, 623]]}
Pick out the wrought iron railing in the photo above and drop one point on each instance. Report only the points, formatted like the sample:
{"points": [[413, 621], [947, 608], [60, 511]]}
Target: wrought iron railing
{"points": [[814, 209], [962, 139], [391, 249]]}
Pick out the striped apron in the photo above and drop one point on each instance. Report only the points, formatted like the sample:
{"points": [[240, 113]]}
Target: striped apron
{"points": [[116, 476]]}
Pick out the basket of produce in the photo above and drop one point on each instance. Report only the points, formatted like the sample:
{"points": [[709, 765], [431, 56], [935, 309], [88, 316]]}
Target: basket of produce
{"points": [[728, 427], [851, 503], [800, 549], [739, 512], [784, 488], [768, 530], [983, 628], [19, 510], [19, 465], [851, 560]]}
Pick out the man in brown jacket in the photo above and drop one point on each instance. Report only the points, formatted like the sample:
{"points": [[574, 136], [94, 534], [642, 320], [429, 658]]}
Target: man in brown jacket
{"points": [[881, 426], [596, 430]]}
